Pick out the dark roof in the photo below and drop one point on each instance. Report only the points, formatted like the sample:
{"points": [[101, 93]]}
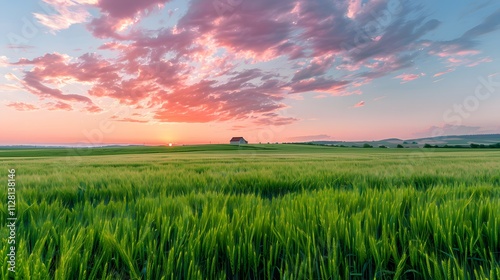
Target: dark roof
{"points": [[234, 139]]}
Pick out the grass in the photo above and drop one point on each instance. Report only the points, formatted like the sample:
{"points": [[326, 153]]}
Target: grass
{"points": [[259, 212]]}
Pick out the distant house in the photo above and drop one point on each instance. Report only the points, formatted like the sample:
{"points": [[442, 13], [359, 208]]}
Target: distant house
{"points": [[238, 141]]}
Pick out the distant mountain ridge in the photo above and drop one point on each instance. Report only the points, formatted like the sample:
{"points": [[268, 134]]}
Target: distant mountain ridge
{"points": [[450, 140]]}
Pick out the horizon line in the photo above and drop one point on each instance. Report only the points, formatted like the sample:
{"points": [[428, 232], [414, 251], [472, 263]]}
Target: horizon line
{"points": [[156, 144]]}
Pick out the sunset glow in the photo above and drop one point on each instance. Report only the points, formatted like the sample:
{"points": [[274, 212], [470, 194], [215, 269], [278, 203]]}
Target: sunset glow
{"points": [[201, 71]]}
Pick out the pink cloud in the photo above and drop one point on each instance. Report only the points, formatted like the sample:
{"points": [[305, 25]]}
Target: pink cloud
{"points": [[33, 84], [108, 27], [467, 52], [52, 66], [67, 14], [451, 50], [93, 109], [259, 29], [203, 68], [320, 84], [480, 61], [409, 77], [59, 106], [128, 8], [158, 86], [4, 61], [118, 15], [354, 8], [21, 106], [444, 72], [456, 55], [207, 101], [386, 65], [317, 67], [454, 60], [359, 104]]}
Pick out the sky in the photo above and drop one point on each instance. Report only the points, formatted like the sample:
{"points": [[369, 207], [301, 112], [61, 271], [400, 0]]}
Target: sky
{"points": [[92, 72]]}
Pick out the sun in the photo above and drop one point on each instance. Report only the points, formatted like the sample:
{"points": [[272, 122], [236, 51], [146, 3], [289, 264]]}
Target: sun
{"points": [[170, 144]]}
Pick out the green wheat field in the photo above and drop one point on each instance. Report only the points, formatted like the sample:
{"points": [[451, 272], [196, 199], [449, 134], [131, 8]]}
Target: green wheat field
{"points": [[253, 212]]}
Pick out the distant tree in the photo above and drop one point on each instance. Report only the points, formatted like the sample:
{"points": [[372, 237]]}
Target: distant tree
{"points": [[400, 146], [367, 146], [414, 142], [483, 146], [382, 147]]}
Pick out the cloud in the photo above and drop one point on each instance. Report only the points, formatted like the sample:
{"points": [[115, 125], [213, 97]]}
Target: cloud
{"points": [[158, 87], [449, 70], [58, 106], [465, 44], [317, 67], [128, 8], [4, 61], [207, 66], [66, 13], [401, 36], [409, 77], [208, 101], [480, 61], [259, 29], [489, 24], [55, 66], [389, 64], [33, 84], [108, 27], [118, 15], [354, 8], [21, 106], [359, 104], [320, 84]]}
